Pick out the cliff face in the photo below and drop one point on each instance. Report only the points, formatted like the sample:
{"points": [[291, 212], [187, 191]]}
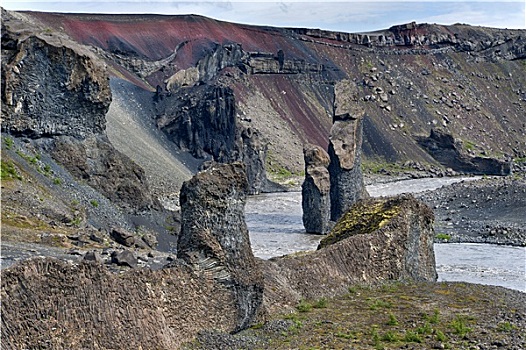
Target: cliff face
{"points": [[412, 78], [55, 95]]}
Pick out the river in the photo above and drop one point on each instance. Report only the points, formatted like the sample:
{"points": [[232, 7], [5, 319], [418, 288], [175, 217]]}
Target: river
{"points": [[275, 224]]}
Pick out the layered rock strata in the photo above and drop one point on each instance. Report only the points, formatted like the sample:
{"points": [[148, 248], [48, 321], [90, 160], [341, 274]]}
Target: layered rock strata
{"points": [[315, 190]]}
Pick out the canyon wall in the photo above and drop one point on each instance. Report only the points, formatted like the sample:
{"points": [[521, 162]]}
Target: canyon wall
{"points": [[412, 78]]}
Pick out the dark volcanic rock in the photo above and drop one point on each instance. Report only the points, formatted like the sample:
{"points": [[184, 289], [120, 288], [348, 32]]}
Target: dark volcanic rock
{"points": [[377, 240], [315, 191], [93, 256], [216, 283], [50, 89], [124, 258], [97, 162], [203, 121], [57, 92], [452, 153], [214, 235], [345, 149], [122, 236]]}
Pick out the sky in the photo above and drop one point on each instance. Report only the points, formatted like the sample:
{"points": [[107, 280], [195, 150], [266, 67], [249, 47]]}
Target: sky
{"points": [[339, 15]]}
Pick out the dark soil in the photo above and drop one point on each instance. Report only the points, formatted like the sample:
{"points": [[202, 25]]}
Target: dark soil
{"points": [[490, 210], [392, 316]]}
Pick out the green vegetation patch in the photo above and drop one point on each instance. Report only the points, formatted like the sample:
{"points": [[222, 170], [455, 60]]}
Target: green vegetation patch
{"points": [[419, 322], [363, 218], [9, 171], [8, 142], [443, 237], [375, 166]]}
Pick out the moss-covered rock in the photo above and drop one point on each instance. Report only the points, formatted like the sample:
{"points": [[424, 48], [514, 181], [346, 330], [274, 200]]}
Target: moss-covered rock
{"points": [[364, 217]]}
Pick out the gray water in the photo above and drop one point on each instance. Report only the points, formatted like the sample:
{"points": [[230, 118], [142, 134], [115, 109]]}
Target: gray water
{"points": [[276, 228]]}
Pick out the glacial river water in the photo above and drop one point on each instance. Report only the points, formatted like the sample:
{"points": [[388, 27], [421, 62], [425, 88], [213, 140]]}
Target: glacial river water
{"points": [[275, 224]]}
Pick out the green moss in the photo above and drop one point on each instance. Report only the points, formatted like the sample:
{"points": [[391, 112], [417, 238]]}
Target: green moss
{"points": [[304, 306], [392, 320], [459, 326], [363, 218], [443, 236], [375, 166], [469, 145], [8, 142], [9, 171], [390, 337], [30, 159], [506, 327], [321, 303], [412, 337]]}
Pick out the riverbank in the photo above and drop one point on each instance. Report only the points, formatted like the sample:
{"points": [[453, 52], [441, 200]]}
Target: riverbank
{"points": [[396, 315], [488, 210]]}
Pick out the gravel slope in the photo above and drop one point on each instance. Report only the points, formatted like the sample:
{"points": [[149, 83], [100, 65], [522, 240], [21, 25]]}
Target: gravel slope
{"points": [[490, 210]]}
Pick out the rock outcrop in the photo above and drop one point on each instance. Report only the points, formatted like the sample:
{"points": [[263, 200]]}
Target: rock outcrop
{"points": [[204, 123], [315, 190], [50, 89], [57, 93], [214, 236], [345, 149], [459, 156], [216, 283], [376, 240]]}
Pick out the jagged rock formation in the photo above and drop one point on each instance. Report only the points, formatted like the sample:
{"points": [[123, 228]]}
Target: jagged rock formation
{"points": [[214, 236], [345, 149], [315, 190], [57, 93], [376, 240], [48, 303], [203, 122], [42, 100], [451, 152], [216, 283]]}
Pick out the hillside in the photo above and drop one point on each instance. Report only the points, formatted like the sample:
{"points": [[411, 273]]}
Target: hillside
{"points": [[415, 77]]}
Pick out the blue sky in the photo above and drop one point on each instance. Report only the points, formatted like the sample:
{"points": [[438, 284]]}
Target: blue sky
{"points": [[349, 16]]}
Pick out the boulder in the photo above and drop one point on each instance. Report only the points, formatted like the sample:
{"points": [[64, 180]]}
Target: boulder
{"points": [[122, 236], [214, 236], [124, 258], [345, 149], [315, 190], [376, 240], [93, 256]]}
